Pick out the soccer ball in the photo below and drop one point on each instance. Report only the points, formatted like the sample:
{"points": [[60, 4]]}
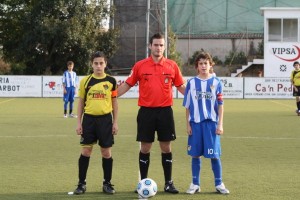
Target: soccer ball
{"points": [[147, 188]]}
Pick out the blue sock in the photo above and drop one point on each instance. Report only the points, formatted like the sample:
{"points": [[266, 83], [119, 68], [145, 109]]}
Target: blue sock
{"points": [[196, 166], [217, 169], [65, 105]]}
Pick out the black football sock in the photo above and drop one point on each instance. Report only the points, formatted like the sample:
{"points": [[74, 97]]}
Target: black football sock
{"points": [[144, 162], [70, 111], [166, 160], [71, 107], [298, 105], [83, 164], [65, 112], [107, 164]]}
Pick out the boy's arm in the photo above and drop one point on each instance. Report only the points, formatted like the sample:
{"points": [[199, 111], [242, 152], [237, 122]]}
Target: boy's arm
{"points": [[79, 113], [219, 130], [115, 115], [188, 126]]}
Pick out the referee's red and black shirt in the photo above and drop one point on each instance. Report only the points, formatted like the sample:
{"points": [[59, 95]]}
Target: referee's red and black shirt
{"points": [[155, 81]]}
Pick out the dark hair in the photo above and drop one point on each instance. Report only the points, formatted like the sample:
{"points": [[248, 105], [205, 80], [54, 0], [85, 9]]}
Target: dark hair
{"points": [[205, 56], [98, 54], [156, 36], [296, 63]]}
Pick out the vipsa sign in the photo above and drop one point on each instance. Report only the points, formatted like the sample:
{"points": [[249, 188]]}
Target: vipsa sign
{"points": [[279, 58]]}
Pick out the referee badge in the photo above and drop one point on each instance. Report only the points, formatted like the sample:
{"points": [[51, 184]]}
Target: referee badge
{"points": [[166, 80]]}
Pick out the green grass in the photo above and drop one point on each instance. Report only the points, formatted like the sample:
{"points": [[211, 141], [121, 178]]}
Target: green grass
{"points": [[39, 151]]}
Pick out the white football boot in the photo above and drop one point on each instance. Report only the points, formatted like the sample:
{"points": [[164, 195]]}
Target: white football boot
{"points": [[193, 189], [222, 189]]}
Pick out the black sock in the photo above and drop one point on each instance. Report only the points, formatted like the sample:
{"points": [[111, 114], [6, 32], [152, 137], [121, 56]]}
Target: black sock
{"points": [[107, 164], [70, 111], [83, 165], [144, 162], [298, 105], [65, 112], [166, 160]]}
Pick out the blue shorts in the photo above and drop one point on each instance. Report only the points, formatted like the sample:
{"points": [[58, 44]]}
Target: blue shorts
{"points": [[204, 141], [70, 95]]}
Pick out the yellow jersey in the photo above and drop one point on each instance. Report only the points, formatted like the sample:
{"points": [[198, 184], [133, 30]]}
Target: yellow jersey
{"points": [[295, 77], [97, 93]]}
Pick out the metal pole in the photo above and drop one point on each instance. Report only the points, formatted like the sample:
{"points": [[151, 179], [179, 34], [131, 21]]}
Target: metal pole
{"points": [[226, 20], [189, 46], [135, 43], [147, 27], [166, 29], [111, 19]]}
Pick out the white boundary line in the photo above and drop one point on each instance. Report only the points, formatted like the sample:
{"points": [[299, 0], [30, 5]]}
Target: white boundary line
{"points": [[263, 138], [282, 104], [223, 137], [6, 101], [32, 136]]}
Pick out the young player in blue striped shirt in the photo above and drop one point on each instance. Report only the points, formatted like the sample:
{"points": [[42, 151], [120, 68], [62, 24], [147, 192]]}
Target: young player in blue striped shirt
{"points": [[204, 115], [70, 82]]}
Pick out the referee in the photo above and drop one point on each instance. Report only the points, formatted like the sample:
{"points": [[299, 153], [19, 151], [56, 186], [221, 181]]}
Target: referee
{"points": [[155, 75]]}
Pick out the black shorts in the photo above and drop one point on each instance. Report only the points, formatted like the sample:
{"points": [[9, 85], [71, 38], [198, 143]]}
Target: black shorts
{"points": [[295, 94], [97, 128], [160, 120]]}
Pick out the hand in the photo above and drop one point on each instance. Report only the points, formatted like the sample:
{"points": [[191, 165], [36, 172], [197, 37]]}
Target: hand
{"points": [[115, 129], [189, 130], [79, 130], [219, 130]]}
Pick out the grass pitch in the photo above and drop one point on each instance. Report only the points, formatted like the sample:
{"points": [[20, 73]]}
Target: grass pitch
{"points": [[39, 152]]}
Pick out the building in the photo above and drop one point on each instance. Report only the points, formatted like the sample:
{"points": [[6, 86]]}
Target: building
{"points": [[282, 37], [218, 26]]}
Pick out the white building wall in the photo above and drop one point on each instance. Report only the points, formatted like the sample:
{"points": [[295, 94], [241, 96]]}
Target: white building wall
{"points": [[279, 56], [216, 47]]}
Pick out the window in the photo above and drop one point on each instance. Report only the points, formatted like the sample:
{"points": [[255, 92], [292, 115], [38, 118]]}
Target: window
{"points": [[274, 29], [283, 30], [290, 30]]}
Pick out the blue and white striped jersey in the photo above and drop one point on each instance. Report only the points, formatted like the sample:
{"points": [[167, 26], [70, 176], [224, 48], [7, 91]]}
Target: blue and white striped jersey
{"points": [[70, 79], [202, 98]]}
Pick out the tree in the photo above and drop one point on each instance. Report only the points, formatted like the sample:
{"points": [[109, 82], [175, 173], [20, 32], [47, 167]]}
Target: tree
{"points": [[172, 53], [43, 35]]}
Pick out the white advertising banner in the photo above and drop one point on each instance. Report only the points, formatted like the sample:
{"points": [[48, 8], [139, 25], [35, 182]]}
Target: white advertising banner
{"points": [[20, 86], [265, 88], [52, 86], [279, 58], [232, 87]]}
